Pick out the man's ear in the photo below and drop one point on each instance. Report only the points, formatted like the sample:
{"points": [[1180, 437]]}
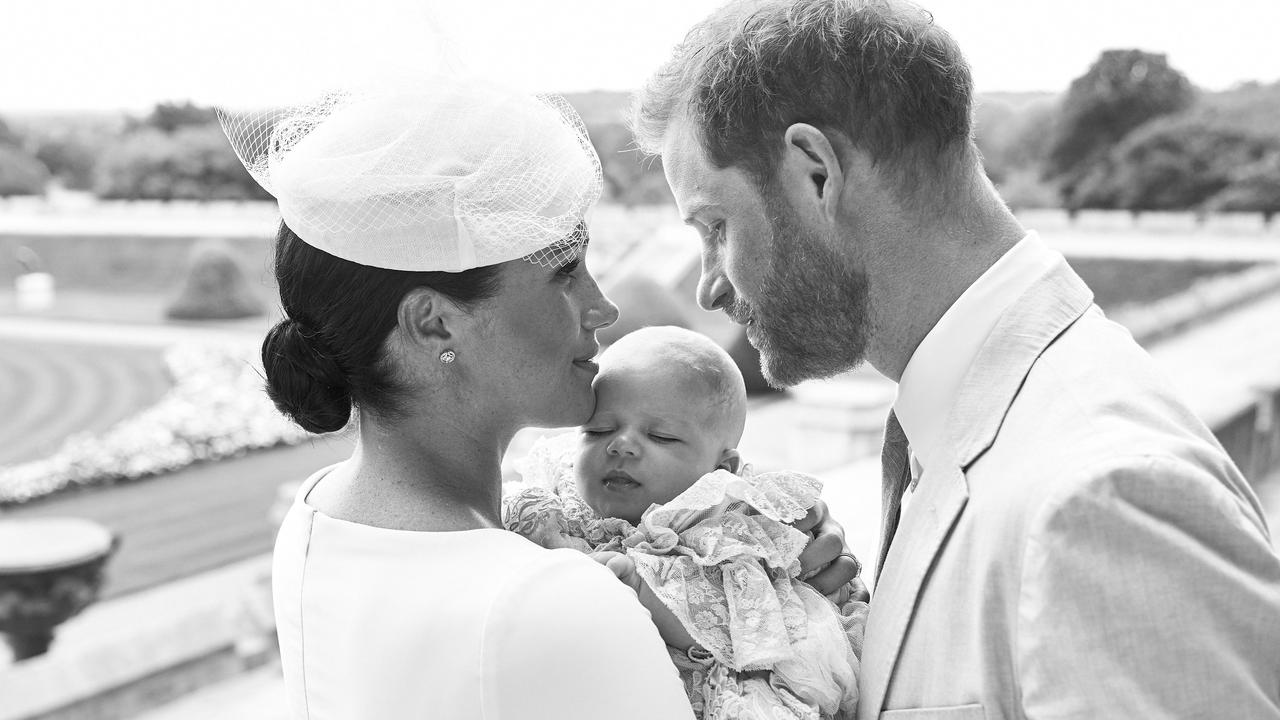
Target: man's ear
{"points": [[428, 319], [811, 168], [730, 460]]}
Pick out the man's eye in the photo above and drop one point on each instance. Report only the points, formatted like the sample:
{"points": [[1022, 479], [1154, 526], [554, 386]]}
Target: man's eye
{"points": [[663, 438]]}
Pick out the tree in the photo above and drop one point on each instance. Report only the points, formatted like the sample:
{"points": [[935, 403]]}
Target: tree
{"points": [[192, 163], [8, 136], [1253, 188], [68, 159], [1121, 91], [1012, 139], [1173, 163], [629, 177], [177, 153], [171, 117], [135, 168], [20, 173]]}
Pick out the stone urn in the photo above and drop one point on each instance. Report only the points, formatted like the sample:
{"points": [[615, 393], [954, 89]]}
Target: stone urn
{"points": [[50, 569]]}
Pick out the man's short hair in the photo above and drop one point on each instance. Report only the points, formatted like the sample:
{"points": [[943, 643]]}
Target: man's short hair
{"points": [[879, 72]]}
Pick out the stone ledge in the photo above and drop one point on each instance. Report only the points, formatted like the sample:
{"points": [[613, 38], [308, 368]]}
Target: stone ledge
{"points": [[1201, 303], [127, 655]]}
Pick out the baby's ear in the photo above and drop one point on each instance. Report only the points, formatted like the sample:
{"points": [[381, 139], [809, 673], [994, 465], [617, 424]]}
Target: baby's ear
{"points": [[730, 460]]}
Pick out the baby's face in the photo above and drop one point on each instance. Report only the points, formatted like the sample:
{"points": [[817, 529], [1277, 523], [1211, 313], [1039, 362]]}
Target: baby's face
{"points": [[653, 434]]}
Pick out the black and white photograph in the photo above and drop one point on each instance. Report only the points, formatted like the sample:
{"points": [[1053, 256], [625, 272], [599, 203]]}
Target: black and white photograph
{"points": [[620, 360]]}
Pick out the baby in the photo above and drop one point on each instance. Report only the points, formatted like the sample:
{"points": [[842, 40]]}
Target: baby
{"points": [[655, 475], [670, 407]]}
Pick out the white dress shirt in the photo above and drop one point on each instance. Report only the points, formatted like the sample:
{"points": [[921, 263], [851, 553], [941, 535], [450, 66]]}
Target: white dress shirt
{"points": [[933, 375]]}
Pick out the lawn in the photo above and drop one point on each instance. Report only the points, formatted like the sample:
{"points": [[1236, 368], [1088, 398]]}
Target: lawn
{"points": [[1117, 282]]}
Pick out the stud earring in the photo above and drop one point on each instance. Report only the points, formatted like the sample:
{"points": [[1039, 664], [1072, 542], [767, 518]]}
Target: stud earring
{"points": [[448, 356]]}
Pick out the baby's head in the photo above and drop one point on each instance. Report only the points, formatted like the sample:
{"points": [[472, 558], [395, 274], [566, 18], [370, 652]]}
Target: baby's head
{"points": [[670, 407]]}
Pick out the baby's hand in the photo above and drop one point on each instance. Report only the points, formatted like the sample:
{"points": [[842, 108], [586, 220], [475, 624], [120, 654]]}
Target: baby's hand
{"points": [[623, 568], [669, 626]]}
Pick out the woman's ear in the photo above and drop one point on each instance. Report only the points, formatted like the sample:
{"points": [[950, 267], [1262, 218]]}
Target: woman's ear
{"points": [[730, 460], [428, 319], [811, 170]]}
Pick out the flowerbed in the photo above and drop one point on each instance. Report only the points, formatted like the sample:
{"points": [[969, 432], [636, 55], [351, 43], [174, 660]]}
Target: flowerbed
{"points": [[215, 409]]}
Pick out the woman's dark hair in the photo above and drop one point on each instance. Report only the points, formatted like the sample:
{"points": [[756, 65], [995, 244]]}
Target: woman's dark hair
{"points": [[327, 352]]}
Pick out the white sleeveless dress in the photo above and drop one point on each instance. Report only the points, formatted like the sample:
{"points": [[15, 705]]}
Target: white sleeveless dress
{"points": [[478, 624]]}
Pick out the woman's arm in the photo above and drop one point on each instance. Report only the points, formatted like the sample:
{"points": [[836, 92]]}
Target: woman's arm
{"points": [[570, 642]]}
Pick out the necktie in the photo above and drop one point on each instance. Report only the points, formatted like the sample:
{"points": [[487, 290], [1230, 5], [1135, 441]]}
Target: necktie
{"points": [[895, 476]]}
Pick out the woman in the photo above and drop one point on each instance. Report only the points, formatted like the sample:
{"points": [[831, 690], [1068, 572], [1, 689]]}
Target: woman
{"points": [[430, 266]]}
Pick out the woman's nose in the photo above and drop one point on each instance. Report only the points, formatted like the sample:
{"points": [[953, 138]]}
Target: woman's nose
{"points": [[600, 312]]}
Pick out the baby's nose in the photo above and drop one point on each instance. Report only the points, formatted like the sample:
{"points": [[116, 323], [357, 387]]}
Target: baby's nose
{"points": [[622, 445]]}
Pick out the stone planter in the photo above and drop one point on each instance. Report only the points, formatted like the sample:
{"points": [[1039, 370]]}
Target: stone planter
{"points": [[50, 569], [34, 291]]}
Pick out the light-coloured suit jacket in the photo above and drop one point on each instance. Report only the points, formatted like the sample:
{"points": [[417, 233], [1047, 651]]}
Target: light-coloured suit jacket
{"points": [[1089, 551]]}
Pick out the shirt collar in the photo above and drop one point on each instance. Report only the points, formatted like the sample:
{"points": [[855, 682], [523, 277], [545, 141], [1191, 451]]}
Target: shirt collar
{"points": [[932, 378]]}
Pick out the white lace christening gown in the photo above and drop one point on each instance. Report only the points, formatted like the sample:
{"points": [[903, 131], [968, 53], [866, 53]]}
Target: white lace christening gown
{"points": [[723, 559]]}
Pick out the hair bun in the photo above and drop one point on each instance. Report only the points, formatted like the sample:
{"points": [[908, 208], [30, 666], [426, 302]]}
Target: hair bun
{"points": [[304, 380]]}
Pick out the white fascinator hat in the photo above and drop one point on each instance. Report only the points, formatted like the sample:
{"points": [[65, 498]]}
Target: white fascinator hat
{"points": [[438, 173]]}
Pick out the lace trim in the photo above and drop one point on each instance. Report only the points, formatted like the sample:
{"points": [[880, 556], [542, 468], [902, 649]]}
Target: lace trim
{"points": [[723, 559]]}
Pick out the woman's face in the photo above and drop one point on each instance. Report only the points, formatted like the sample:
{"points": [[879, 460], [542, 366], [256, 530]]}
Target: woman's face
{"points": [[539, 336]]}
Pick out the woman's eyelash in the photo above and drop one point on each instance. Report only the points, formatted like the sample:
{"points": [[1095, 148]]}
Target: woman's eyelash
{"points": [[569, 267], [662, 438]]}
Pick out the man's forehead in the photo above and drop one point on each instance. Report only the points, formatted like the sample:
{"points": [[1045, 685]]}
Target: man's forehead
{"points": [[685, 166]]}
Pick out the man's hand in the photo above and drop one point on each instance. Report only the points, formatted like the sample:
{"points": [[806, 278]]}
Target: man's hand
{"points": [[827, 563]]}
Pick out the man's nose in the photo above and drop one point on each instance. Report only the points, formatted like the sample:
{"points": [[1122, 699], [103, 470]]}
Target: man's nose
{"points": [[714, 289]]}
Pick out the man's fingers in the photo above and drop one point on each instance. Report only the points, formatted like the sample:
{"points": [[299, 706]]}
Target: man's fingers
{"points": [[841, 596], [836, 575], [813, 518], [857, 591], [821, 550]]}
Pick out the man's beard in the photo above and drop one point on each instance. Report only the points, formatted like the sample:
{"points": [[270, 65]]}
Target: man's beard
{"points": [[810, 315]]}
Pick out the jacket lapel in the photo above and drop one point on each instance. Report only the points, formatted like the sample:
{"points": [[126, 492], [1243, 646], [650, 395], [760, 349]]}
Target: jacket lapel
{"points": [[1026, 328]]}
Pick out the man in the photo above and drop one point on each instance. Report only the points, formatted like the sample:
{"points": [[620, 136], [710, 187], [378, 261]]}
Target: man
{"points": [[1062, 537]]}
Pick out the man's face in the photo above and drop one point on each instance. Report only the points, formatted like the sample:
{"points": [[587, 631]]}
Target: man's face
{"points": [[797, 287]]}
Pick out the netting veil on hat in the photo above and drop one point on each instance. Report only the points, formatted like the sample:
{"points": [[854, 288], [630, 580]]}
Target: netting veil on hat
{"points": [[440, 175]]}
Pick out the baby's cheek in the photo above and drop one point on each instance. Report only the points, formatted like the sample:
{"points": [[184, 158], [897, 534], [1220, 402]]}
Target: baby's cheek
{"points": [[583, 469], [681, 475]]}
